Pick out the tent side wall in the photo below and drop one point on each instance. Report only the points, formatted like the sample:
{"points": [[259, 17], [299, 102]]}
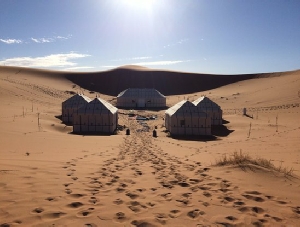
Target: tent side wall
{"points": [[210, 107], [95, 123], [134, 102], [193, 124], [141, 98]]}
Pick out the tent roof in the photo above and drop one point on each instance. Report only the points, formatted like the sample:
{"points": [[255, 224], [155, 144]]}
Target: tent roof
{"points": [[204, 102], [185, 107], [76, 99], [141, 92], [98, 105]]}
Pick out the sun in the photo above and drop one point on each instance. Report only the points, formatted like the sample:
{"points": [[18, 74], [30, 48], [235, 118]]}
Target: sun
{"points": [[139, 4]]}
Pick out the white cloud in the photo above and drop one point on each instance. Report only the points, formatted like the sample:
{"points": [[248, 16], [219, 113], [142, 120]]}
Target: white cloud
{"points": [[62, 37], [36, 40], [50, 40], [53, 60], [11, 41], [42, 40]]}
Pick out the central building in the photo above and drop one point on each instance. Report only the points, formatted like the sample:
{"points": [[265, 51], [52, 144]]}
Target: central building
{"points": [[141, 98]]}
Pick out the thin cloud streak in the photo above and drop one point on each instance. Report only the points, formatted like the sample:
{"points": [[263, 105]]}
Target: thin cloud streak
{"points": [[133, 58], [160, 63], [50, 40], [42, 40], [36, 40], [78, 68], [11, 41], [53, 60]]}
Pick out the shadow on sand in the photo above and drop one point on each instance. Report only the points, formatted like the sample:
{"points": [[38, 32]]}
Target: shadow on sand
{"points": [[91, 134], [220, 131], [156, 109], [196, 138]]}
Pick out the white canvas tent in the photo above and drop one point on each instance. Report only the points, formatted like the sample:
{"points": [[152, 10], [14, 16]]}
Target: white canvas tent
{"points": [[141, 98], [97, 116], [211, 108], [71, 106], [185, 118]]}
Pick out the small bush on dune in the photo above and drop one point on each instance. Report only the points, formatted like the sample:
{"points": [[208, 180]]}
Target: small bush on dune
{"points": [[246, 161]]}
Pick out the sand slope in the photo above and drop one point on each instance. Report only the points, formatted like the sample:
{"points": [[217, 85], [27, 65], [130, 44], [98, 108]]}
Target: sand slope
{"points": [[167, 82], [50, 177]]}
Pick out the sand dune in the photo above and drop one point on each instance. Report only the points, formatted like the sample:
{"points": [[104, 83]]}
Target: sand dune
{"points": [[51, 177], [167, 82]]}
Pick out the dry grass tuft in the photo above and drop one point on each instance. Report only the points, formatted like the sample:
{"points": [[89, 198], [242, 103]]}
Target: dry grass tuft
{"points": [[246, 161]]}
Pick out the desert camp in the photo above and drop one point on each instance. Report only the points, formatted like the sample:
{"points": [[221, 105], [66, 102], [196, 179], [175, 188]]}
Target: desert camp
{"points": [[69, 177], [149, 113]]}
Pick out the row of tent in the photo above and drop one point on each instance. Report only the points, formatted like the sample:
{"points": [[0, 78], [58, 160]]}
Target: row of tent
{"points": [[193, 118], [99, 116], [89, 116]]}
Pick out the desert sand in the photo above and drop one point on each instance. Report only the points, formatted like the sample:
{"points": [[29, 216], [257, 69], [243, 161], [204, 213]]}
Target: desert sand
{"points": [[51, 177]]}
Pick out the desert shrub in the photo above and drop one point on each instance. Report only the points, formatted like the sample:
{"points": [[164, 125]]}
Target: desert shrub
{"points": [[246, 161]]}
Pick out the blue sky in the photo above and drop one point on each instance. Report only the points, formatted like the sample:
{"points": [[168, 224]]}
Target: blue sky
{"points": [[202, 36]]}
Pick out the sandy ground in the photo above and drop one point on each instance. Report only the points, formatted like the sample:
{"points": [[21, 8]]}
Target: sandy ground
{"points": [[49, 177]]}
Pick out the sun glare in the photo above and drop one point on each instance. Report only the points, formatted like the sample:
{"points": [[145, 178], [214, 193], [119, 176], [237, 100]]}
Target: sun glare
{"points": [[139, 4]]}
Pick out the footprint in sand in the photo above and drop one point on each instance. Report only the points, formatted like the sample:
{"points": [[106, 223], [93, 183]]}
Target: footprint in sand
{"points": [[93, 200], [195, 213], [167, 196], [75, 205], [296, 210], [53, 215], [132, 195], [162, 218], [67, 184], [136, 206], [118, 201], [174, 213], [90, 225], [277, 219], [77, 195], [239, 203], [150, 204], [5, 225], [37, 210], [194, 181], [254, 198], [141, 223], [68, 191], [120, 217], [228, 199], [258, 210], [85, 213], [255, 209], [183, 202], [206, 194]]}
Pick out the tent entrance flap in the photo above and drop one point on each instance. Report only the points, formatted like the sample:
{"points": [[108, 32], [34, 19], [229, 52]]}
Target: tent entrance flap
{"points": [[141, 103]]}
